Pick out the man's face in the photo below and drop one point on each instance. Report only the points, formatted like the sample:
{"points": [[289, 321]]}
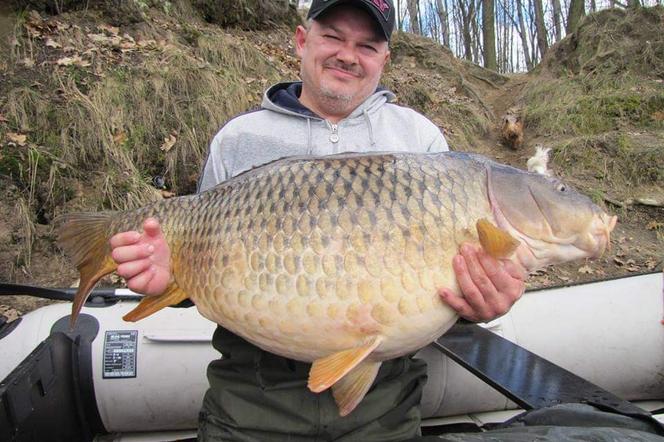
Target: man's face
{"points": [[343, 55]]}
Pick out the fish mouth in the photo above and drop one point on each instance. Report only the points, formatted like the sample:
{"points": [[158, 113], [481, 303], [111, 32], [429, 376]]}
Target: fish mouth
{"points": [[602, 226]]}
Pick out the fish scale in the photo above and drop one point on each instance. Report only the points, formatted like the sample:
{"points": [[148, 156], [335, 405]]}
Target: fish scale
{"points": [[351, 182], [337, 260]]}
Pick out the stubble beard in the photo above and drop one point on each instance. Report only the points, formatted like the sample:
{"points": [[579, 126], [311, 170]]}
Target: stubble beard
{"points": [[334, 101], [331, 101]]}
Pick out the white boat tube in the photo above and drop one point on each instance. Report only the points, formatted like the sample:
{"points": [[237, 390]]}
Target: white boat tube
{"points": [[607, 332], [150, 375]]}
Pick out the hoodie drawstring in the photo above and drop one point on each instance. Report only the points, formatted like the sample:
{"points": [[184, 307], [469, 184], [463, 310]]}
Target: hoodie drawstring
{"points": [[368, 120], [309, 148]]}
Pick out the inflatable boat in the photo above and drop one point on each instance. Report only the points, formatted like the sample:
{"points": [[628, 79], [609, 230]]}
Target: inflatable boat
{"points": [[599, 343]]}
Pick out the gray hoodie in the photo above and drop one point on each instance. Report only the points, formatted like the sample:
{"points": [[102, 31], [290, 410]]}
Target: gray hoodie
{"points": [[283, 127]]}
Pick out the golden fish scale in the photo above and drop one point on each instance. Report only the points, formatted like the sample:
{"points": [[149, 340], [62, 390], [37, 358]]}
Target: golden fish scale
{"points": [[305, 258]]}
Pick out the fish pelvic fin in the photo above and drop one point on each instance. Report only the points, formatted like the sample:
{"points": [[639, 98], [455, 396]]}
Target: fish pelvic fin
{"points": [[495, 241], [326, 371], [349, 391], [152, 304], [84, 238]]}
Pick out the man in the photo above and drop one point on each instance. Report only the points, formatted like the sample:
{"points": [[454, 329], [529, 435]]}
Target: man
{"points": [[255, 395]]}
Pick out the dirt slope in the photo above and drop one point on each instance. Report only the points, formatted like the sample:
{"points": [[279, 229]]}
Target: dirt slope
{"points": [[95, 116]]}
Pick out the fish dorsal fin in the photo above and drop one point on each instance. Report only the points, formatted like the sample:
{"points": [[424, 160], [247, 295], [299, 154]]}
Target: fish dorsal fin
{"points": [[328, 370], [495, 241], [351, 389], [151, 304]]}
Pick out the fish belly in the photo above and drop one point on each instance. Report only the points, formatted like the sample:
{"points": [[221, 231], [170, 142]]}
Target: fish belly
{"points": [[313, 257]]}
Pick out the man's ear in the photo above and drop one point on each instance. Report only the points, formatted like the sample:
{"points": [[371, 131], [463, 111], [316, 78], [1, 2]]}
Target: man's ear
{"points": [[300, 39], [388, 58]]}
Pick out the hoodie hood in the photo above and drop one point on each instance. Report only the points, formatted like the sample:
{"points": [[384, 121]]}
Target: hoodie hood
{"points": [[284, 98]]}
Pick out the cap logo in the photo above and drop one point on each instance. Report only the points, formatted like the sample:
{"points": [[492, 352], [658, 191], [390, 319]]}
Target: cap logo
{"points": [[382, 6]]}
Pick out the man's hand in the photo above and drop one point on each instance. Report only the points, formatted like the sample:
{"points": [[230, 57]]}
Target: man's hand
{"points": [[143, 259], [490, 287]]}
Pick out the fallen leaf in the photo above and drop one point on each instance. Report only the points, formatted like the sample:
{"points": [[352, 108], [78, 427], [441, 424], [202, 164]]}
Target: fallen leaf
{"points": [[169, 142], [52, 43], [586, 269], [110, 29], [146, 43], [27, 62], [120, 137], [99, 38], [76, 60], [3, 119], [62, 26], [648, 201], [15, 138], [652, 225], [650, 264], [167, 194], [618, 261]]}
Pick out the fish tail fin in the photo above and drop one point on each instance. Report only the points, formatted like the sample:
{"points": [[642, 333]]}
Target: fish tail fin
{"points": [[84, 238], [151, 304]]}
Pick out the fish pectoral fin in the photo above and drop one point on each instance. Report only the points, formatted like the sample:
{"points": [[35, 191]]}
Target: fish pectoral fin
{"points": [[328, 370], [349, 391], [495, 241], [152, 304]]}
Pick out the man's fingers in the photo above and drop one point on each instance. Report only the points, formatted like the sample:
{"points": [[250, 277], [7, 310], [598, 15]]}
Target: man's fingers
{"points": [[151, 228], [132, 268], [458, 304], [131, 253], [480, 285], [124, 239], [473, 297], [140, 282], [515, 270], [504, 280]]}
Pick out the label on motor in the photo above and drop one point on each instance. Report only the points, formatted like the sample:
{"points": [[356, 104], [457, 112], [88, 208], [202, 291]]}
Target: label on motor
{"points": [[120, 353]]}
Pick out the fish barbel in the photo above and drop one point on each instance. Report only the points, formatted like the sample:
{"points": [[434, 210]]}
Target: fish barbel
{"points": [[337, 260]]}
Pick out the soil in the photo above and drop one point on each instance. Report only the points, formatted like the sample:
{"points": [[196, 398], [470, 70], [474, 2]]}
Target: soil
{"points": [[29, 256]]}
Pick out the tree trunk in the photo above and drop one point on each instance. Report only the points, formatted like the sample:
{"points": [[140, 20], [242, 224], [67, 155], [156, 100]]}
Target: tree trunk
{"points": [[555, 5], [475, 37], [465, 29], [524, 35], [399, 18], [577, 10], [542, 44], [633, 4], [414, 17], [489, 34], [444, 22]]}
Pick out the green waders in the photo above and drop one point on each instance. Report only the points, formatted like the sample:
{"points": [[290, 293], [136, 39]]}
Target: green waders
{"points": [[257, 396]]}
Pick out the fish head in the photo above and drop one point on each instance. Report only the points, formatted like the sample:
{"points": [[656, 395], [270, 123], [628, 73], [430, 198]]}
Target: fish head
{"points": [[554, 222]]}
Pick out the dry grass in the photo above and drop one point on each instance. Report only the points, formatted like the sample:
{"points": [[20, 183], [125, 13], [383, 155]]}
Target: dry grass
{"points": [[95, 133]]}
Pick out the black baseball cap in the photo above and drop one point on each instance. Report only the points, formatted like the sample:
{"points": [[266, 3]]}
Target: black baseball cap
{"points": [[381, 10]]}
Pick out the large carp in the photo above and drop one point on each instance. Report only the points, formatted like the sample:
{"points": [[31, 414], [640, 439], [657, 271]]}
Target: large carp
{"points": [[337, 260]]}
